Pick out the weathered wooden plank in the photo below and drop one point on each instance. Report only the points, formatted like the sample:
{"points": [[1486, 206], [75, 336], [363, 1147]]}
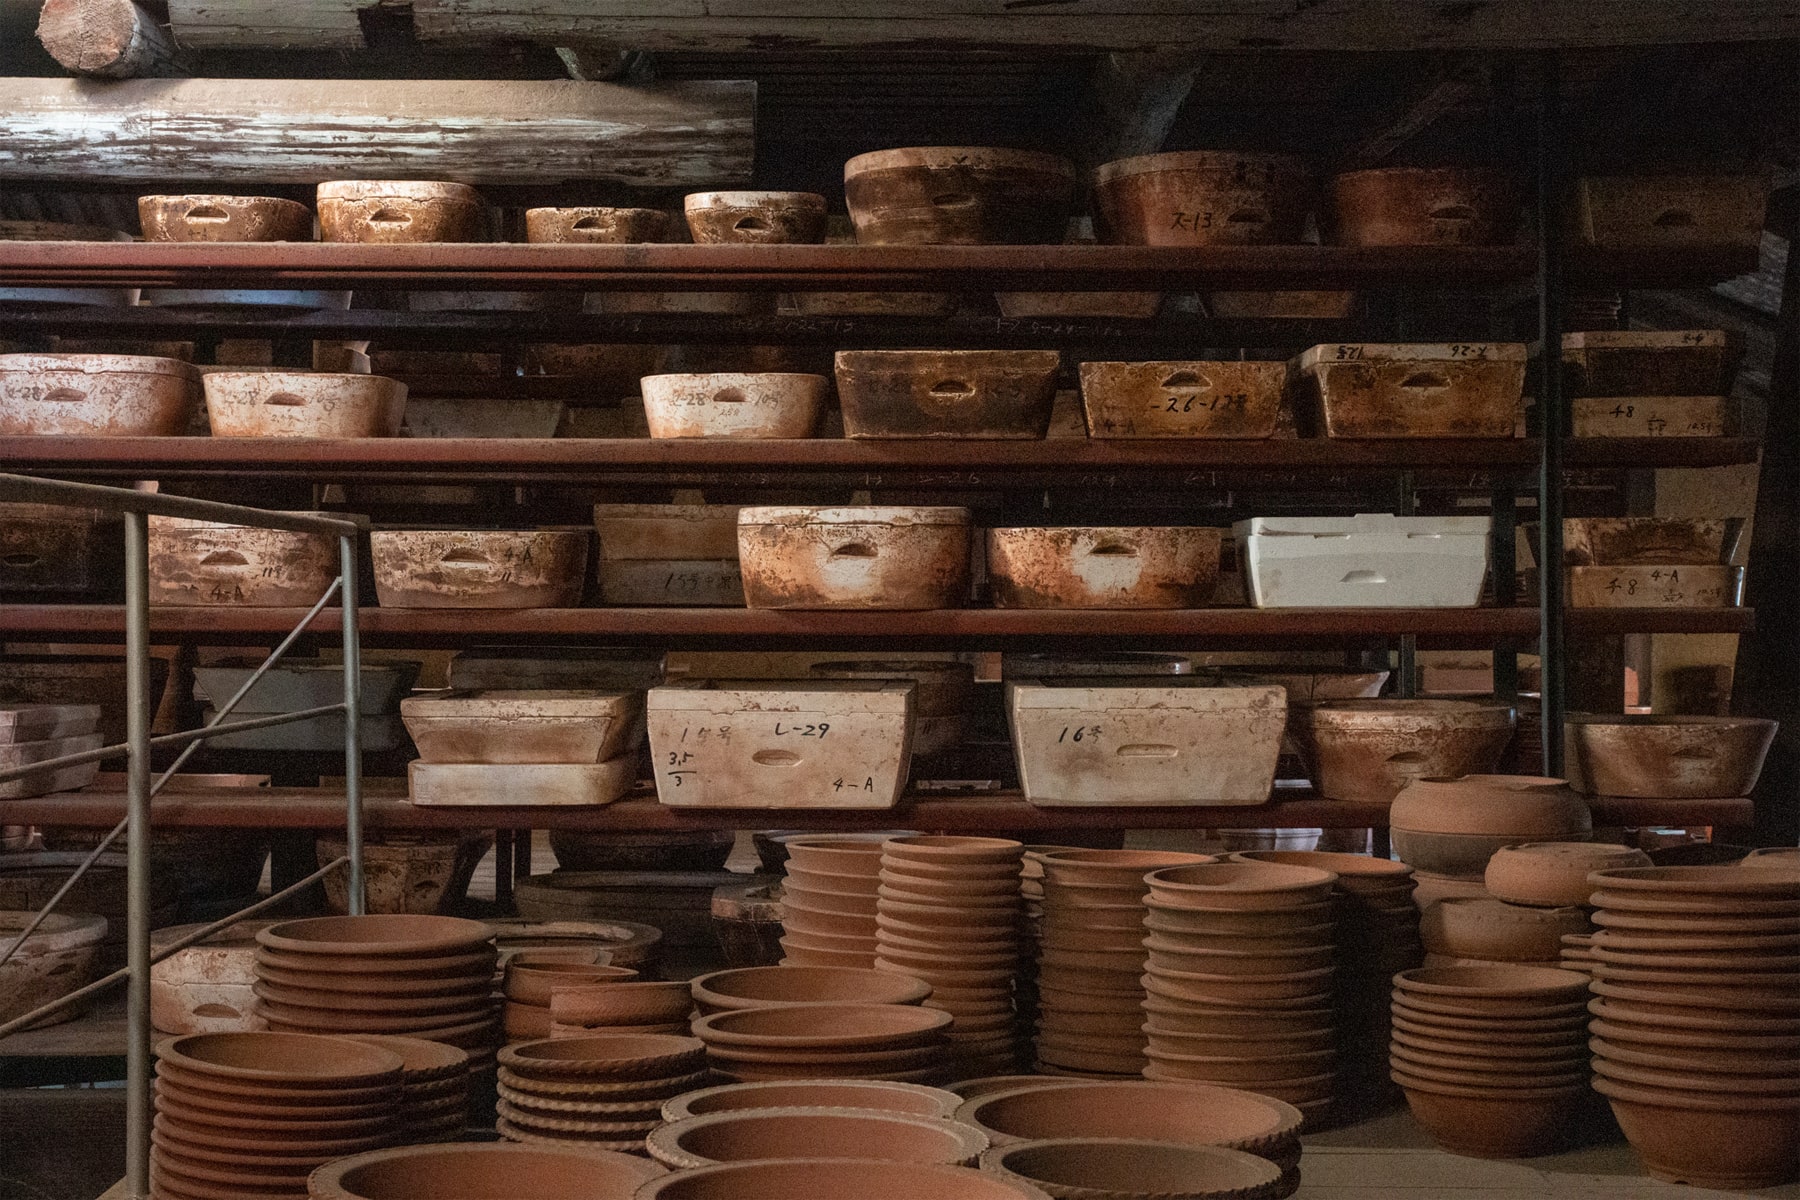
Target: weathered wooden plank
{"points": [[1109, 25], [303, 131], [108, 39], [268, 24]]}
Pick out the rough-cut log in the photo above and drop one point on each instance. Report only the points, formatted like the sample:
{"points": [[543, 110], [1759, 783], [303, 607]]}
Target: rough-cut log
{"points": [[108, 39], [1111, 25], [268, 24], [304, 131]]}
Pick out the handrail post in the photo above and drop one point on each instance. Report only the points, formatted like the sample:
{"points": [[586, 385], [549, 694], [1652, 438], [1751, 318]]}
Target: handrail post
{"points": [[137, 848], [353, 829], [1553, 412]]}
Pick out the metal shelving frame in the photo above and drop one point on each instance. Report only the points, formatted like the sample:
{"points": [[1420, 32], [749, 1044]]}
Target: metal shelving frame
{"points": [[137, 508]]}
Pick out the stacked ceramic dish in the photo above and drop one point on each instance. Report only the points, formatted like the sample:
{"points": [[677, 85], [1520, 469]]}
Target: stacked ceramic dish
{"points": [[1493, 1060], [750, 1135], [255, 1113], [523, 747], [900, 1042], [620, 1006], [1696, 1034], [421, 976], [482, 1169], [434, 1087], [783, 987], [530, 982], [1239, 978], [949, 912], [1377, 932], [828, 902], [1183, 1114], [604, 1091], [872, 1095], [1091, 958], [815, 1176]]}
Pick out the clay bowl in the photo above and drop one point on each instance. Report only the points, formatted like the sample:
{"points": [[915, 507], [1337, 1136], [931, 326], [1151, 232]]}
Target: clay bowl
{"points": [[360, 972], [1497, 1059], [174, 1169], [1710, 1060], [1678, 1078], [834, 1062], [378, 936], [918, 922], [1490, 1080], [1238, 886], [1359, 874], [1682, 885], [422, 1062], [1188, 1115], [848, 904], [989, 875], [275, 1147], [944, 850], [1238, 989], [1667, 756], [1552, 874], [1212, 998], [842, 884], [987, 1085], [757, 218], [824, 1026], [466, 986], [1483, 1123], [778, 987], [1721, 965], [836, 855], [783, 1133], [1302, 938], [1734, 1143], [1219, 921], [606, 1056], [1645, 942], [1522, 1014], [1111, 868], [1168, 954], [346, 1003], [1114, 1167], [837, 943], [836, 1179], [1166, 1041], [795, 956], [997, 892], [1690, 908], [531, 983], [989, 907], [1177, 1018], [909, 1099], [327, 1020], [1247, 1072], [972, 956], [1490, 1034], [1528, 985], [634, 1002], [485, 1171], [272, 1099], [1495, 930], [295, 1061], [1522, 806], [1093, 906]]}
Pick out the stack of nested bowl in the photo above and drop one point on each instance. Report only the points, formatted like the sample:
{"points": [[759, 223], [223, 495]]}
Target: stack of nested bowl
{"points": [[784, 987], [1091, 958], [421, 976], [1493, 1060], [605, 1092], [757, 1134], [900, 1042], [255, 1113], [1377, 932], [1239, 978], [620, 1006], [1031, 890], [1696, 1033], [949, 912], [1184, 1114], [530, 981], [434, 1087], [828, 902]]}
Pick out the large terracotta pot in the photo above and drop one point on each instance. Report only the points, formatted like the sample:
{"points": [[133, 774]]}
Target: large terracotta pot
{"points": [[958, 196], [1369, 750], [1667, 757]]}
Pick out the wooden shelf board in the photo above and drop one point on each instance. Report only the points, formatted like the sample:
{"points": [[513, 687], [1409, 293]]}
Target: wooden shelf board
{"points": [[323, 808], [850, 268], [1055, 462], [741, 627]]}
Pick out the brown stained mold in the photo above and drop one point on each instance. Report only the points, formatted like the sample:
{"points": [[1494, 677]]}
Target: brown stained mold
{"points": [[1120, 568], [1202, 198], [959, 195], [208, 218], [755, 218]]}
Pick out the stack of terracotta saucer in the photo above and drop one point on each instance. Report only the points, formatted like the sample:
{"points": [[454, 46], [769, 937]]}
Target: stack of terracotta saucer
{"points": [[1377, 933], [949, 912], [1696, 1034], [253, 1114], [605, 1091], [420, 976], [529, 981], [434, 1087], [903, 1043], [1577, 952], [1091, 959], [1239, 978], [1493, 1060], [828, 901], [620, 1006]]}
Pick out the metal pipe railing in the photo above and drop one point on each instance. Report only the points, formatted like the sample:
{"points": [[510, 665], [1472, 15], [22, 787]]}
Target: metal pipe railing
{"points": [[182, 738], [139, 1106], [124, 500]]}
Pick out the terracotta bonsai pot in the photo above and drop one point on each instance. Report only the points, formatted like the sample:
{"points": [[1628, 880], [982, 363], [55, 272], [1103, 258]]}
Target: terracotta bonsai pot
{"points": [[1525, 985], [1666, 756], [611, 226], [824, 1026], [224, 219], [1238, 886], [1422, 206], [1708, 1140], [1484, 1124], [1553, 874], [905, 1098], [756, 218], [297, 1061], [1192, 1115], [1216, 919], [780, 987], [836, 1179], [380, 936], [486, 1171], [785, 1133], [606, 1056], [1369, 750], [397, 211], [531, 983], [1497, 931], [961, 195], [768, 405], [1114, 1167]]}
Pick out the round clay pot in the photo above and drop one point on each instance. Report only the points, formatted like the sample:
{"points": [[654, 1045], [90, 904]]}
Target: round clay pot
{"points": [[1705, 1139], [1497, 931], [1553, 874], [909, 1099], [945, 850], [1247, 1072], [369, 969], [1369, 750], [606, 1056], [1521, 807], [1185, 1114], [787, 1132], [1529, 1012], [378, 936], [609, 226], [1482, 1123], [1496, 1081], [774, 987], [835, 903], [632, 1002], [298, 1061], [1238, 886], [1529, 985], [1666, 757], [1498, 1059], [1686, 1079], [755, 218], [530, 983], [1359, 874], [836, 1179], [485, 1171], [1115, 1167], [1712, 1060], [1238, 922], [348, 1004], [823, 1026], [833, 853], [988, 907], [952, 872]]}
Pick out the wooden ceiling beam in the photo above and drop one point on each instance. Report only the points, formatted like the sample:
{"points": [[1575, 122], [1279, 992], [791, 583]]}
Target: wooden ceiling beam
{"points": [[109, 39]]}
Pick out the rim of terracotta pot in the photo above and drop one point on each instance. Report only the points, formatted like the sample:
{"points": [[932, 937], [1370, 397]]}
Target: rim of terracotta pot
{"points": [[603, 1054], [390, 934], [1255, 1120], [1703, 881], [1409, 1082], [1676, 1098], [872, 1179], [868, 1094], [399, 1173], [799, 1026], [1238, 879], [1497, 982], [699, 1141], [954, 847], [300, 1060], [1091, 1168], [1357, 869], [746, 987]]}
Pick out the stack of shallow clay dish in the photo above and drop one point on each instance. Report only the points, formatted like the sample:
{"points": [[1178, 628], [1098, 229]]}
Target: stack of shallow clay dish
{"points": [[483, 1169], [814, 1176], [783, 987], [530, 982], [1696, 1033], [1493, 1060], [949, 912], [620, 1006], [1091, 959], [900, 1042], [1185, 1114], [828, 902], [605, 1092], [1377, 929], [749, 1135], [1239, 978], [875, 1095], [1031, 890], [421, 976], [254, 1113], [434, 1087]]}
